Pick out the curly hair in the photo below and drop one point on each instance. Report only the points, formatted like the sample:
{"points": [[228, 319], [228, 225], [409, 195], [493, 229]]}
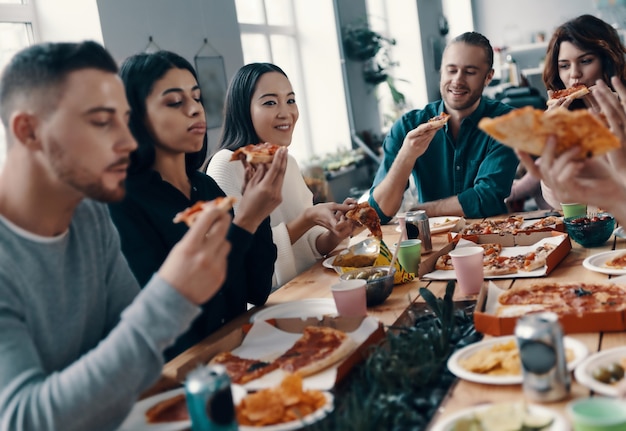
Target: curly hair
{"points": [[588, 33]]}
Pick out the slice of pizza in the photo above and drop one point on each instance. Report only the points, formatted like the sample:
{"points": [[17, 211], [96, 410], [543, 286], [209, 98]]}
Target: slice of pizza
{"points": [[242, 370], [575, 92], [173, 409], [499, 265], [366, 216], [256, 153], [618, 262], [439, 120], [189, 215], [444, 263], [527, 129], [491, 250], [318, 348]]}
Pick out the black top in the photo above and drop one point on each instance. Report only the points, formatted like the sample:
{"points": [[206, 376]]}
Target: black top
{"points": [[144, 221]]}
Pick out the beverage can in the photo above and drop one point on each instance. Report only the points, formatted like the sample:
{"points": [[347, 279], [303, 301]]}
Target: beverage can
{"points": [[544, 367], [210, 400], [417, 227]]}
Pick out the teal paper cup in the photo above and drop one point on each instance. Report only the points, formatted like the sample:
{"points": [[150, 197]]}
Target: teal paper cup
{"points": [[598, 414], [574, 210]]}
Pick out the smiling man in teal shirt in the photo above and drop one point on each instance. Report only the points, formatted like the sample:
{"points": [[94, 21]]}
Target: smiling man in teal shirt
{"points": [[457, 168]]}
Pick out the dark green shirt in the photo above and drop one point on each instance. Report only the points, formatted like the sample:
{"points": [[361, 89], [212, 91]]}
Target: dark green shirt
{"points": [[475, 167], [144, 221]]}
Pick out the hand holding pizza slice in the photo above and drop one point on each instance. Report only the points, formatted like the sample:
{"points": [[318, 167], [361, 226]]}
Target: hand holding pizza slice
{"points": [[366, 216], [189, 215], [527, 129]]}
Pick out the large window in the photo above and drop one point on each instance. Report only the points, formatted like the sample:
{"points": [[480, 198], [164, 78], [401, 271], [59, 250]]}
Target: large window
{"points": [[284, 32], [17, 31]]}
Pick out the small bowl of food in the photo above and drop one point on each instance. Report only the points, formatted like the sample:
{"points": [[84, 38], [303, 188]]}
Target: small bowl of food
{"points": [[379, 282], [590, 231]]}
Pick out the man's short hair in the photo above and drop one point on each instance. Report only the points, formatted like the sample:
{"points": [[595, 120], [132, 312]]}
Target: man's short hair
{"points": [[476, 39], [41, 70]]}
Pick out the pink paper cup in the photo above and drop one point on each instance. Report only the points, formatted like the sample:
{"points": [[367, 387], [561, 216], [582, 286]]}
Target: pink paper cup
{"points": [[468, 266], [350, 297]]}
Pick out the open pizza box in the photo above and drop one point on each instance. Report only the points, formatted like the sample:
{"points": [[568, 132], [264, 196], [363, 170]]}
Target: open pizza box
{"points": [[526, 225], [266, 340], [512, 245], [486, 321]]}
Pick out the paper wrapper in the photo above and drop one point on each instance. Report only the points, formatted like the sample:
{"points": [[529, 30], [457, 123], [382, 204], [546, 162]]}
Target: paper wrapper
{"points": [[384, 259]]}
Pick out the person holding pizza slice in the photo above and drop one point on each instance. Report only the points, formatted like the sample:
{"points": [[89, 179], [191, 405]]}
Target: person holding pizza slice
{"points": [[261, 107], [167, 119], [595, 180], [457, 168], [581, 52], [79, 340]]}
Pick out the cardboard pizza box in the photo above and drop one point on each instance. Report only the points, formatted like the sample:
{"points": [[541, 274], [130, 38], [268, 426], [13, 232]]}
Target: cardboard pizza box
{"points": [[198, 355], [560, 239], [488, 323], [558, 227]]}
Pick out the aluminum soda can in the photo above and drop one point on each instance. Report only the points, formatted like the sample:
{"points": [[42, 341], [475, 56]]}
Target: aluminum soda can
{"points": [[417, 227], [544, 367], [210, 400]]}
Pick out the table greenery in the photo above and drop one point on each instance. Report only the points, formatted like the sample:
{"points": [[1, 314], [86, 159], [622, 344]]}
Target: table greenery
{"points": [[403, 381]]}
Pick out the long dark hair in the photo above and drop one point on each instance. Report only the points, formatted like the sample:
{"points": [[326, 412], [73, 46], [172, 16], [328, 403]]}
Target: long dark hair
{"points": [[238, 129], [139, 73], [588, 33]]}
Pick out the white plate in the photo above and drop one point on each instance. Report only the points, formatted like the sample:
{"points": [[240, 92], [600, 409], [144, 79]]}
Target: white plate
{"points": [[304, 308], [328, 262], [558, 424], [585, 368], [439, 224], [619, 232], [579, 349], [136, 419], [596, 262], [294, 425]]}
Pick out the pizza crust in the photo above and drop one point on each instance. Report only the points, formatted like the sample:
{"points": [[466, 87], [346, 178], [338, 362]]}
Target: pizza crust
{"points": [[527, 129]]}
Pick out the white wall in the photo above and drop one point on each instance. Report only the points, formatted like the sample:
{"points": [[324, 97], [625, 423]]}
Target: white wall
{"points": [[175, 25], [514, 22], [68, 20]]}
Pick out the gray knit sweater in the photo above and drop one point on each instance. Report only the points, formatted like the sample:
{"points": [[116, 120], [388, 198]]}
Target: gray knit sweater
{"points": [[78, 340]]}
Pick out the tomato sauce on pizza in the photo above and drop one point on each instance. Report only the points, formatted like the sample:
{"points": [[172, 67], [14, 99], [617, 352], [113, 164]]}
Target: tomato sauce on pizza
{"points": [[256, 153]]}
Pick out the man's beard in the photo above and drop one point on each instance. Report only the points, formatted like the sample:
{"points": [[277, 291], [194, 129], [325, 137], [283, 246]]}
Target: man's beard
{"points": [[83, 181]]}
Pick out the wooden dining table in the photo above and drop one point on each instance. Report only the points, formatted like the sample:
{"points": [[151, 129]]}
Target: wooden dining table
{"points": [[316, 281]]}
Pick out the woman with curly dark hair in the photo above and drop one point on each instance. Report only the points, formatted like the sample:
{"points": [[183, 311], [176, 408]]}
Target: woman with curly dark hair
{"points": [[582, 51]]}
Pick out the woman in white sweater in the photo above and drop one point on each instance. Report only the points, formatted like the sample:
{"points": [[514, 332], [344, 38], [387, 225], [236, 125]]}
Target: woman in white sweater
{"points": [[261, 107]]}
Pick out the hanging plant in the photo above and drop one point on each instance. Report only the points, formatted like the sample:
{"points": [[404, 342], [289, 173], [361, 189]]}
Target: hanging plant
{"points": [[360, 43]]}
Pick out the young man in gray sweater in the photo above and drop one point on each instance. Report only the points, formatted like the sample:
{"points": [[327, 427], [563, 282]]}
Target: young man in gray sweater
{"points": [[79, 341]]}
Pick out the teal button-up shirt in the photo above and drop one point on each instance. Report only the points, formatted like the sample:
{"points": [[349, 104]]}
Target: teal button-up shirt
{"points": [[475, 167]]}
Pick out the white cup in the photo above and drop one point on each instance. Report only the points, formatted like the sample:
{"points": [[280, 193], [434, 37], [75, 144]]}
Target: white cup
{"points": [[468, 266], [350, 297]]}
